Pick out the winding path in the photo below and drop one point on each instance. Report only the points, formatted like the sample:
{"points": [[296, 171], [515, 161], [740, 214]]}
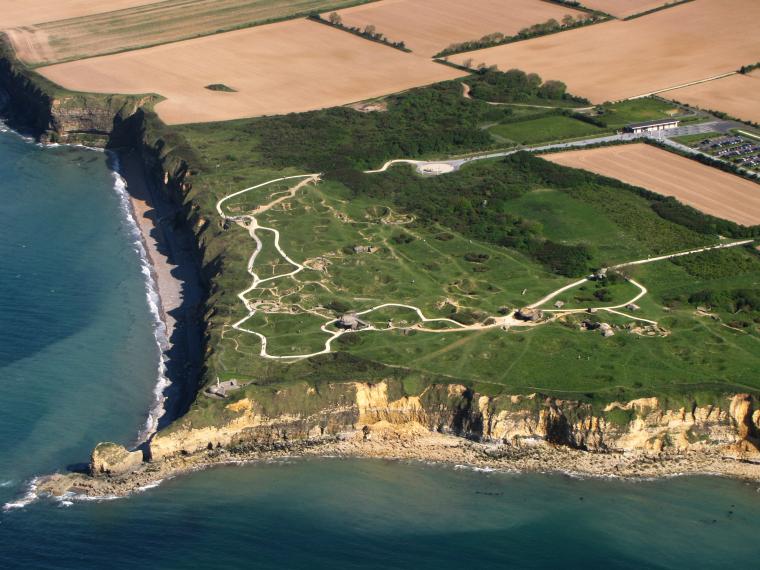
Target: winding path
{"points": [[446, 165], [250, 223]]}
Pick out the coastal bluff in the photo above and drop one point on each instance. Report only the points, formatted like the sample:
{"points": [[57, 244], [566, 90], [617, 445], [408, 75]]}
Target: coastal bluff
{"points": [[450, 423], [644, 425], [51, 114], [444, 423]]}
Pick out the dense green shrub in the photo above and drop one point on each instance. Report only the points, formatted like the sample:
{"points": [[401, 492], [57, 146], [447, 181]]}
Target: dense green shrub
{"points": [[435, 119], [732, 301], [515, 85]]}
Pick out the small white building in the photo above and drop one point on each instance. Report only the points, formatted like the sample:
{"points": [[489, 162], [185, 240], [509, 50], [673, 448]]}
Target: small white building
{"points": [[652, 126]]}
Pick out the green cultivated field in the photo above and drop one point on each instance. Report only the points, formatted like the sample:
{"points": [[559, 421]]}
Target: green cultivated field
{"points": [[544, 129], [467, 246], [617, 115]]}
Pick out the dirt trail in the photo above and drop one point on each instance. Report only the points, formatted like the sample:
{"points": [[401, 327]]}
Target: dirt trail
{"points": [[467, 94], [250, 222]]}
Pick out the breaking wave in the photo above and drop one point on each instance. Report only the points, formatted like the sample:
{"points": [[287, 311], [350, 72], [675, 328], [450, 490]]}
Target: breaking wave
{"points": [[160, 332]]}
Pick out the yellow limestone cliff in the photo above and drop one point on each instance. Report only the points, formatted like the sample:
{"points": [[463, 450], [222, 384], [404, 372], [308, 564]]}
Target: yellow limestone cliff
{"points": [[305, 414]]}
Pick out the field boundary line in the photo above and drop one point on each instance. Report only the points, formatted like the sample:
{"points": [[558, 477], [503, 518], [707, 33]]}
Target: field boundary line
{"points": [[689, 84]]}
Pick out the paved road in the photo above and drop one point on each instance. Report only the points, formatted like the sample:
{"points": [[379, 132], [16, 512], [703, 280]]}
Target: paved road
{"points": [[435, 167]]}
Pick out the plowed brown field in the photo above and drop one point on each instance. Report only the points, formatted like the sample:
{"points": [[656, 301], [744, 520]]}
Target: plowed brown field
{"points": [[705, 188], [74, 29], [617, 60], [737, 95], [428, 26], [279, 68]]}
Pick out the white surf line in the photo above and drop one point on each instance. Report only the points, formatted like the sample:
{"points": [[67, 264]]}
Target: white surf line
{"points": [[250, 222], [160, 332]]}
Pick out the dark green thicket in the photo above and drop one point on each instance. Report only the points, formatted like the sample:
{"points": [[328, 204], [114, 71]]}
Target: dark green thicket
{"points": [[733, 301], [514, 86], [722, 268], [220, 87], [475, 202], [436, 119]]}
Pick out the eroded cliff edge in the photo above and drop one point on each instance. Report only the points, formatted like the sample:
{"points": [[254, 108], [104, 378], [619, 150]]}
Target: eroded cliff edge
{"points": [[32, 104], [515, 420], [444, 423]]}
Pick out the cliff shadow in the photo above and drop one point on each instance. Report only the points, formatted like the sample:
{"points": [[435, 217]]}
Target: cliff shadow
{"points": [[171, 247]]}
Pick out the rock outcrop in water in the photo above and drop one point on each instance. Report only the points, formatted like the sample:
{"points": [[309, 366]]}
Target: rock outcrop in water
{"points": [[112, 459]]}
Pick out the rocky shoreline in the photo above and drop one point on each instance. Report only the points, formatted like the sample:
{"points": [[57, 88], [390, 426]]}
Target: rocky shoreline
{"points": [[413, 442]]}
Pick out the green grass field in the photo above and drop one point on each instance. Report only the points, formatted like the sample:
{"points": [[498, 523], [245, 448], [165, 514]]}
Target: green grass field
{"points": [[544, 129], [617, 115], [458, 246]]}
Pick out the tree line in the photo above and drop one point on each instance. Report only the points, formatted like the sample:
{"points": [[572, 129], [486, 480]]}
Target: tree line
{"points": [[550, 26], [515, 85], [368, 32]]}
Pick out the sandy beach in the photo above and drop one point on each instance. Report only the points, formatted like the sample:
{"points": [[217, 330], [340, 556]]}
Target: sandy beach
{"points": [[155, 239], [170, 252]]}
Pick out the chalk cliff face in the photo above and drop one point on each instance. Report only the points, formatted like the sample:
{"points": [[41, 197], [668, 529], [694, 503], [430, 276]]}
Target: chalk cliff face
{"points": [[33, 104], [88, 119], [300, 413]]}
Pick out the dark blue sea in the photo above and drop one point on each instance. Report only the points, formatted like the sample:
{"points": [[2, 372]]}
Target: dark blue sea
{"points": [[79, 363]]}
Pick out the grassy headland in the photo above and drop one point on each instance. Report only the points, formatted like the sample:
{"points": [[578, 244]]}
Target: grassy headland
{"points": [[491, 237]]}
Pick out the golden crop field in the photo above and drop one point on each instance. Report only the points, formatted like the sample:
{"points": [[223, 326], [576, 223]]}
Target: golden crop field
{"points": [[23, 13], [286, 67], [618, 60], [428, 26], [738, 95], [624, 8], [707, 189], [76, 34]]}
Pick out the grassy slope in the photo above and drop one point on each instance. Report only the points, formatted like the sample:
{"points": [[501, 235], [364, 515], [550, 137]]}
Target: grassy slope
{"points": [[422, 261], [551, 128], [617, 115]]}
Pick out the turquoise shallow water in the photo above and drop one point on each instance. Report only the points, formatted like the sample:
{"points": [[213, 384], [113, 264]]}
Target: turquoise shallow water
{"points": [[78, 364], [78, 360]]}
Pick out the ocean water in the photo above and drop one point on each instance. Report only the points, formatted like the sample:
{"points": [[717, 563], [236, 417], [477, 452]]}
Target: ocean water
{"points": [[78, 364], [78, 357]]}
